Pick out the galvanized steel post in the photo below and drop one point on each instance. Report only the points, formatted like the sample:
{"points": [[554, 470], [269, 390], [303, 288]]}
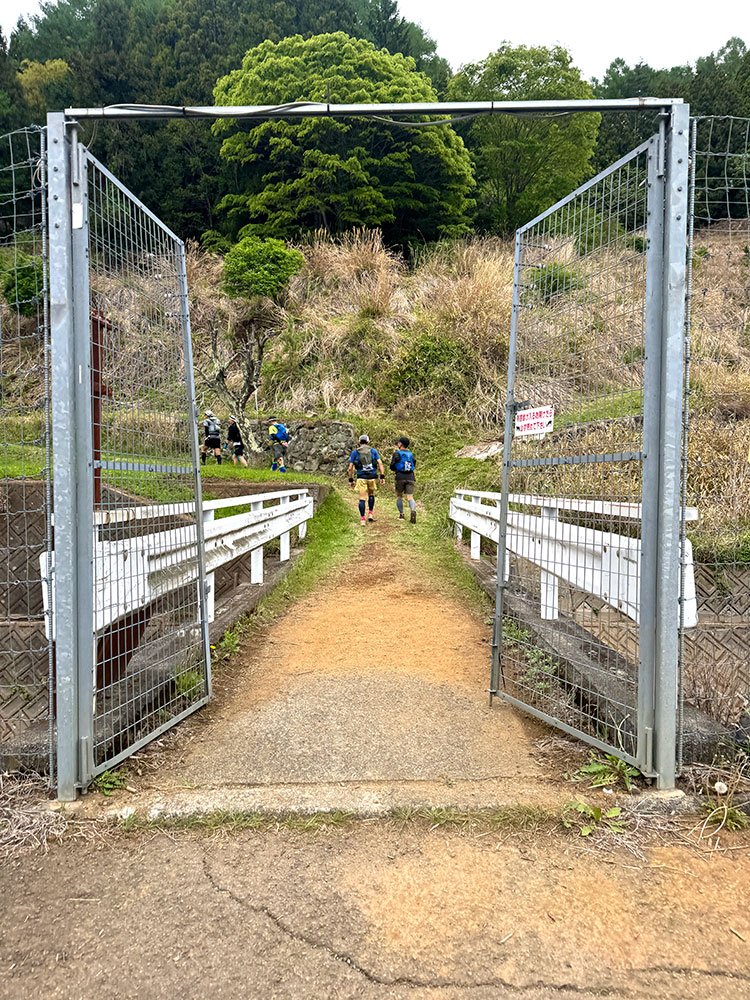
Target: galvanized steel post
{"points": [[510, 411], [84, 466], [65, 495], [670, 444]]}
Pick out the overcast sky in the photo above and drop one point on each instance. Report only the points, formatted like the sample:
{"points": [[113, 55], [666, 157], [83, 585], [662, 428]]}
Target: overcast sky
{"points": [[661, 32]]}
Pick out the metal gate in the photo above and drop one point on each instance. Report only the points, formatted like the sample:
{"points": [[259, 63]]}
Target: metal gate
{"points": [[588, 582], [131, 638]]}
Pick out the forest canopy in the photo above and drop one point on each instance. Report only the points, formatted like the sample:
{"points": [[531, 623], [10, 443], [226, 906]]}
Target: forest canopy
{"points": [[284, 179]]}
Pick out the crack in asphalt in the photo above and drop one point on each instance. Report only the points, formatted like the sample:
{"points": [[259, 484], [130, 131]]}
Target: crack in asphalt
{"points": [[408, 981]]}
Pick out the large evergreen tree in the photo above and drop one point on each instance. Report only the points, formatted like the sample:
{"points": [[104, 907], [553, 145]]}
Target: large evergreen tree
{"points": [[325, 173]]}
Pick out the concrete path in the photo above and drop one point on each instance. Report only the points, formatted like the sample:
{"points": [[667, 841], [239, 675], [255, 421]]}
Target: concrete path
{"points": [[370, 693], [374, 910]]}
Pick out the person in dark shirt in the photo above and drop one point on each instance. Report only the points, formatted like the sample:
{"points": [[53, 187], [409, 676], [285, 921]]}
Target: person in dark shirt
{"points": [[234, 437], [365, 464], [403, 464]]}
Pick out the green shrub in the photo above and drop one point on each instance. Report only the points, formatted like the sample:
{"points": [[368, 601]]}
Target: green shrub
{"points": [[260, 267], [551, 280], [432, 362], [23, 285]]}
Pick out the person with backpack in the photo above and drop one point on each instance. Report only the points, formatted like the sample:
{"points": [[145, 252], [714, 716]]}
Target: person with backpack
{"points": [[403, 464], [234, 438], [278, 437], [211, 437], [365, 464]]}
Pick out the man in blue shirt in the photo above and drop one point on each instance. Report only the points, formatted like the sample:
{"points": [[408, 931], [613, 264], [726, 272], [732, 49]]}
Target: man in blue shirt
{"points": [[403, 464], [365, 464]]}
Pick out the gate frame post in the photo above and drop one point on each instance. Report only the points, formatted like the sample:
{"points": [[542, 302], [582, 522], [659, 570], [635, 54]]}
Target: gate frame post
{"points": [[72, 483], [84, 468], [663, 439], [666, 667], [510, 410], [204, 585]]}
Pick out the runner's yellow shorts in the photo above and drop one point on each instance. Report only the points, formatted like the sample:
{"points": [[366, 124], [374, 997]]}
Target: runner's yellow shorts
{"points": [[367, 487]]}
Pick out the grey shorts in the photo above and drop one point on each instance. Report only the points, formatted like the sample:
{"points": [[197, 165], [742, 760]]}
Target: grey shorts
{"points": [[279, 451], [405, 487]]}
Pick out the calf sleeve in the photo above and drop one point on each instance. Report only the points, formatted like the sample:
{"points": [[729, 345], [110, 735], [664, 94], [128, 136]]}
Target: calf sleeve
{"points": [[371, 502], [218, 459], [400, 505], [412, 503], [361, 508]]}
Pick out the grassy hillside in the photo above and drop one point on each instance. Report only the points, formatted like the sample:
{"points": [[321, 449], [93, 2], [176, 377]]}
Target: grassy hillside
{"points": [[422, 347]]}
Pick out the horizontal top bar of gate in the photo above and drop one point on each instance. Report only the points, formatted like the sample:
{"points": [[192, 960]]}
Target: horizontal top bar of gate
{"points": [[312, 109], [122, 514], [607, 508]]}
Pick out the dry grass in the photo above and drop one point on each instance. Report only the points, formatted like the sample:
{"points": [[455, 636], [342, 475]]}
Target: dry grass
{"points": [[26, 824]]}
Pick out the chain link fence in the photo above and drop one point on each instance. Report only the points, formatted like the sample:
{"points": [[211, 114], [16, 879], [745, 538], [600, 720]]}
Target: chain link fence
{"points": [[26, 653], [715, 655]]}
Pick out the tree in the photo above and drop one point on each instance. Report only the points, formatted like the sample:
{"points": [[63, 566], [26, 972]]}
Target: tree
{"points": [[331, 174], [45, 85], [525, 164], [380, 22], [256, 274], [384, 26]]}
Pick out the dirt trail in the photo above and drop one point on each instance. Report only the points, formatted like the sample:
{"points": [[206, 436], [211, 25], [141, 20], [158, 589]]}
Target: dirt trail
{"points": [[368, 693]]}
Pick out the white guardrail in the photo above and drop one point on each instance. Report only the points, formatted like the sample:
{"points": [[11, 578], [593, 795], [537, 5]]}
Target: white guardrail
{"points": [[131, 573], [601, 563]]}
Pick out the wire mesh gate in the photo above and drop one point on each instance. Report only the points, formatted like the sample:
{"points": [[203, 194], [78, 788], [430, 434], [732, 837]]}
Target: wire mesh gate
{"points": [[131, 639], [26, 660], [715, 652], [587, 587]]}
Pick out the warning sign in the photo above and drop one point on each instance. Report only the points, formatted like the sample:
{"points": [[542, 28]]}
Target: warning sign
{"points": [[537, 421]]}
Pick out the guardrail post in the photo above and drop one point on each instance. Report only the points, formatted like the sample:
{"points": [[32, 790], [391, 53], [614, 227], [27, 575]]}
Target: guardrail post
{"points": [[256, 556], [476, 538], [302, 528], [549, 582], [284, 538], [458, 528]]}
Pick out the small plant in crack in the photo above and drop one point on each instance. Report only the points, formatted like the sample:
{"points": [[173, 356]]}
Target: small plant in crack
{"points": [[607, 771], [109, 781], [588, 819]]}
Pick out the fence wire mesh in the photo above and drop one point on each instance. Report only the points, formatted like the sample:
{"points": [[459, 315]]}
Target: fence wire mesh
{"points": [[571, 609], [151, 663], [715, 658], [26, 656]]}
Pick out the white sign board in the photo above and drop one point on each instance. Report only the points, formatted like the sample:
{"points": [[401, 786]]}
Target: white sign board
{"points": [[538, 421]]}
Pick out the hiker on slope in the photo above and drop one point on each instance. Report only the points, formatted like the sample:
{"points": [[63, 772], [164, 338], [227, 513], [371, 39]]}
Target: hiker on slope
{"points": [[365, 464], [211, 437], [234, 438], [278, 437], [403, 464]]}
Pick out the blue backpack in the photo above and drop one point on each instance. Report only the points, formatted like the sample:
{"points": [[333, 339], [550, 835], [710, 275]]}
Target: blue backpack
{"points": [[282, 434], [406, 460]]}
